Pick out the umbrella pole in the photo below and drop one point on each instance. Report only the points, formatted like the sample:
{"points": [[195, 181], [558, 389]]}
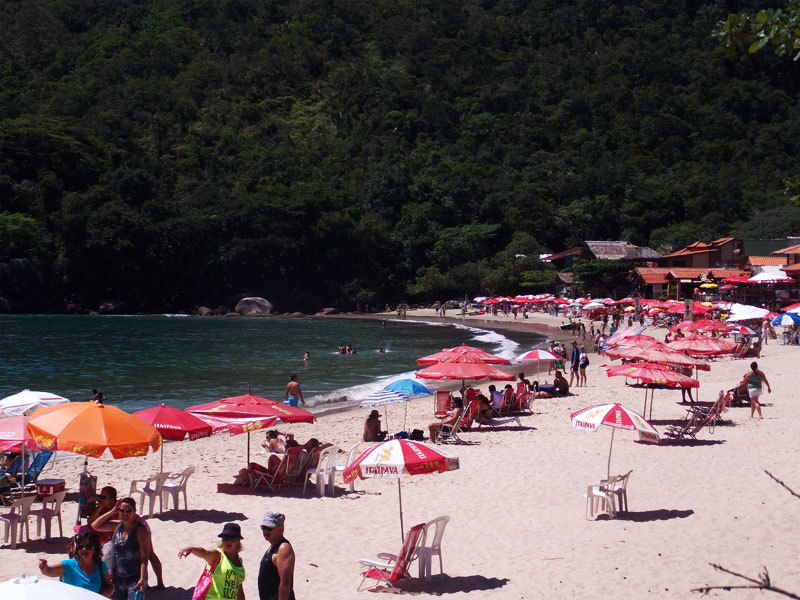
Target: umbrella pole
{"points": [[162, 457], [608, 467], [386, 416], [652, 392], [248, 447], [405, 414], [644, 408], [400, 498]]}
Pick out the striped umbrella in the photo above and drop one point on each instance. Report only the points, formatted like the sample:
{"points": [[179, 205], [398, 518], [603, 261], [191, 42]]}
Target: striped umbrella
{"points": [[615, 416], [382, 398]]}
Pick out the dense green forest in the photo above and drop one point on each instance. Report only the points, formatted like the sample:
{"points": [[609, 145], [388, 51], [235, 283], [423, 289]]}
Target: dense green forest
{"points": [[180, 152]]}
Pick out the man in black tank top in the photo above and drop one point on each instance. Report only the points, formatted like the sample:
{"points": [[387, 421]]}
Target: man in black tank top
{"points": [[276, 574]]}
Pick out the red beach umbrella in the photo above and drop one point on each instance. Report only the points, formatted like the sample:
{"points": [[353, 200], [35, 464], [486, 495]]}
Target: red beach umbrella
{"points": [[638, 340], [448, 353], [660, 354], [174, 424], [651, 373], [538, 356], [705, 326], [464, 368], [395, 458], [243, 414], [702, 345], [14, 434], [615, 416]]}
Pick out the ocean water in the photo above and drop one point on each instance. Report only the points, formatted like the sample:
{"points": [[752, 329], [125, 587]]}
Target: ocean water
{"points": [[141, 361]]}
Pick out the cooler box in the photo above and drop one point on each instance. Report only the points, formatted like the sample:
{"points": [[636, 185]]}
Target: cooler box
{"points": [[46, 487]]}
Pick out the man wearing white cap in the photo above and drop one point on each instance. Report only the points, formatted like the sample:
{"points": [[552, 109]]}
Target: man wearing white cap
{"points": [[276, 574]]}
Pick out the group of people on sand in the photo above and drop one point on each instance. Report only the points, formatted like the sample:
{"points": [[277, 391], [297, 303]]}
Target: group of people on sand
{"points": [[111, 553], [224, 572]]}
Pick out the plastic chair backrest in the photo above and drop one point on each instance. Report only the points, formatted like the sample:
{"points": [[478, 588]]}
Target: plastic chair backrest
{"points": [[295, 460], [410, 548], [317, 457], [622, 481], [56, 499], [439, 523]]}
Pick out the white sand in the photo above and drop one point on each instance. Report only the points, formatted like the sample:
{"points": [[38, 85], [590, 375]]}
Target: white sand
{"points": [[517, 507]]}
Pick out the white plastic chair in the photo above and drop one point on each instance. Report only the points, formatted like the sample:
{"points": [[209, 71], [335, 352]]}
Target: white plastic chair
{"points": [[323, 471], [51, 507], [19, 510], [339, 468], [152, 488], [619, 491], [599, 497], [427, 553], [175, 484]]}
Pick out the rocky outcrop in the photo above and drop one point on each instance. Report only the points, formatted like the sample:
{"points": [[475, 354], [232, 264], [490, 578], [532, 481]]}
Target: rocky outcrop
{"points": [[204, 311], [328, 311], [254, 307]]}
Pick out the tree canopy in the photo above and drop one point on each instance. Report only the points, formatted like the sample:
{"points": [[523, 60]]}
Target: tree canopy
{"points": [[181, 152]]}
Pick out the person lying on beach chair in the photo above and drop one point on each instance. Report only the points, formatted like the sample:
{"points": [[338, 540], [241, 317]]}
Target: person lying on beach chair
{"points": [[485, 415]]}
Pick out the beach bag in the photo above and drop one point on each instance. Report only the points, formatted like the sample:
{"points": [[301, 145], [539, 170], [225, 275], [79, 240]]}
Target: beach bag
{"points": [[204, 583], [417, 435]]}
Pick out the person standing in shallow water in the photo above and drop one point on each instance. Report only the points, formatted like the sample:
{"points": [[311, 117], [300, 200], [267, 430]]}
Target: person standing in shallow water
{"points": [[293, 392], [276, 573]]}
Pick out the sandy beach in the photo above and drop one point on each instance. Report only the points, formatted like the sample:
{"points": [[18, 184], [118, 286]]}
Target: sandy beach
{"points": [[517, 526]]}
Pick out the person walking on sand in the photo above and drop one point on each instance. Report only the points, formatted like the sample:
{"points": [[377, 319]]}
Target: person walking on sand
{"points": [[224, 563], [293, 392], [276, 573], [754, 379], [574, 363]]}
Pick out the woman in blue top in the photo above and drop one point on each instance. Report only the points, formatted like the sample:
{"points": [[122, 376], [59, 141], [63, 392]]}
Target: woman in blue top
{"points": [[86, 570]]}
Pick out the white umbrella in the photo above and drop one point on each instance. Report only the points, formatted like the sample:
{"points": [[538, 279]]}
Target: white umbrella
{"points": [[382, 398], [34, 588], [746, 312], [538, 356], [26, 402]]}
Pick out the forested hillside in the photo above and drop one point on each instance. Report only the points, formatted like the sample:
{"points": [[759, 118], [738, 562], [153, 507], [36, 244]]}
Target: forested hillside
{"points": [[177, 152]]}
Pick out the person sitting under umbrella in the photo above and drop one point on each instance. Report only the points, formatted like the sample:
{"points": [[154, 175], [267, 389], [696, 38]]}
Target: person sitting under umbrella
{"points": [[276, 443], [450, 419], [372, 428]]}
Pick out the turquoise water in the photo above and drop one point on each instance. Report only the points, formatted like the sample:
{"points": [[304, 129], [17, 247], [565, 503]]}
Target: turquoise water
{"points": [[141, 361]]}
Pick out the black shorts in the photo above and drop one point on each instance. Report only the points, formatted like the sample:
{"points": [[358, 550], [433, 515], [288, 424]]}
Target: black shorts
{"points": [[574, 368]]}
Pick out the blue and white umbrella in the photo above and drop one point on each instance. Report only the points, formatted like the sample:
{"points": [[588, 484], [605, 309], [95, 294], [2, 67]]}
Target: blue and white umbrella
{"points": [[787, 319], [409, 386], [382, 398]]}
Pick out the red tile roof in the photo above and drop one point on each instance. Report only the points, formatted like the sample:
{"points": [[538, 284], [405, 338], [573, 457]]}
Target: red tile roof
{"points": [[761, 261], [652, 275], [565, 253], [790, 250], [686, 273], [723, 273]]}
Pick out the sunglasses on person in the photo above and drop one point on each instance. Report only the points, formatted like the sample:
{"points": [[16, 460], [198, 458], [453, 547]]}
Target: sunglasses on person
{"points": [[84, 547], [126, 510]]}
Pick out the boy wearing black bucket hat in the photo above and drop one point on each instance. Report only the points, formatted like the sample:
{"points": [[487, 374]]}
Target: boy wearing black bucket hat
{"points": [[276, 574]]}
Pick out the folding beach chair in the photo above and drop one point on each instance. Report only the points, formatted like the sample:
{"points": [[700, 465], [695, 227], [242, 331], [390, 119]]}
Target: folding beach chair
{"points": [[508, 401], [443, 403], [391, 569], [449, 433], [694, 425]]}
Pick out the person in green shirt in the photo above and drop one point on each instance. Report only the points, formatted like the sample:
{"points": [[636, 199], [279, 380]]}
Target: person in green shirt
{"points": [[228, 575]]}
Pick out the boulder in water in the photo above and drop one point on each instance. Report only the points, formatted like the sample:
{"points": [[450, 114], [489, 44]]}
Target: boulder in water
{"points": [[328, 311], [253, 307], [204, 311]]}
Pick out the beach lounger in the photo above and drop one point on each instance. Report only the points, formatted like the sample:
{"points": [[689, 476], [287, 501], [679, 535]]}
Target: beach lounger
{"points": [[471, 413], [508, 402], [694, 425], [391, 569], [719, 407]]}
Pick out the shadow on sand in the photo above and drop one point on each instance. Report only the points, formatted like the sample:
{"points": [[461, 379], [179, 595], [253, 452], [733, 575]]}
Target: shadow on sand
{"points": [[54, 545], [194, 516], [690, 442], [662, 514], [487, 429], [443, 584]]}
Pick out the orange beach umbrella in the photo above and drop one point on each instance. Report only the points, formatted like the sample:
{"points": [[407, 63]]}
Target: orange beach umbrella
{"points": [[89, 428]]}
